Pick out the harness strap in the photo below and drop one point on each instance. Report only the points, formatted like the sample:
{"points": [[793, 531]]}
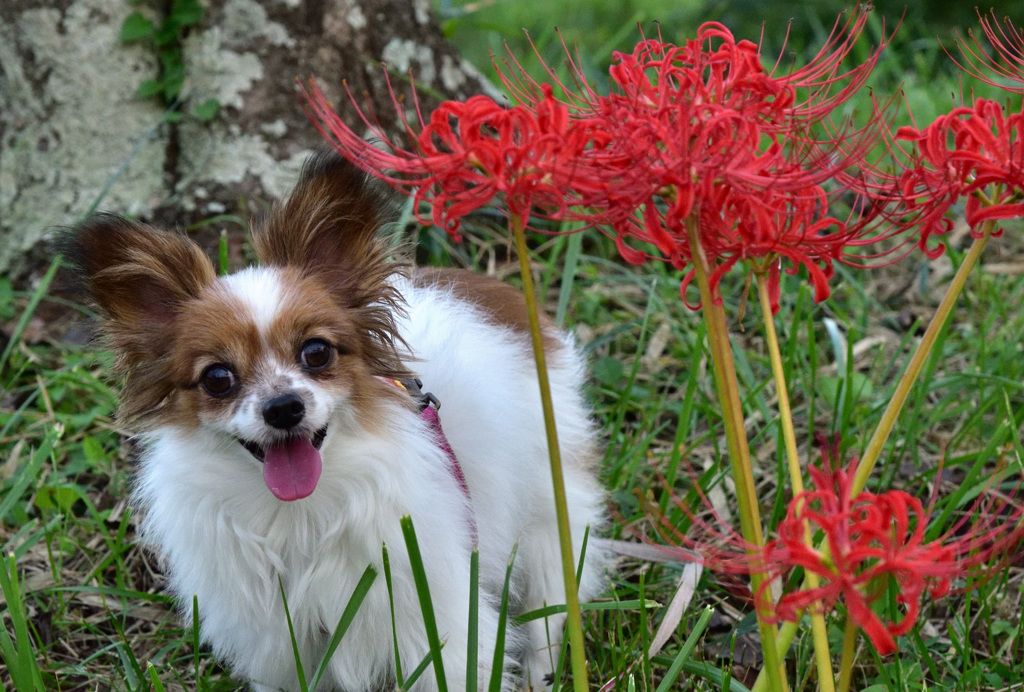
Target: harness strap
{"points": [[429, 405]]}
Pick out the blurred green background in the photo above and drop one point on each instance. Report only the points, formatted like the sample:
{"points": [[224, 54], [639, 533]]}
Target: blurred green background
{"points": [[599, 27]]}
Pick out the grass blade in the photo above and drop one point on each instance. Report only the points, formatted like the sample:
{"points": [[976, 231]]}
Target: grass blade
{"points": [[719, 679], [564, 608], [417, 671], [684, 653], [472, 636], [29, 472], [26, 316], [583, 554], [573, 246], [196, 642], [348, 615], [559, 608], [426, 605], [683, 421], [154, 678], [223, 264], [295, 644], [19, 654], [130, 666], [399, 681], [498, 664]]}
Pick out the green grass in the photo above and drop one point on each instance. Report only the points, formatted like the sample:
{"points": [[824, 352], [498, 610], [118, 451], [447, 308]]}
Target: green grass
{"points": [[90, 608], [83, 604]]}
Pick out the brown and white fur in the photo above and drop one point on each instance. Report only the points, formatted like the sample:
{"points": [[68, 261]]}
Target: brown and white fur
{"points": [[276, 452]]}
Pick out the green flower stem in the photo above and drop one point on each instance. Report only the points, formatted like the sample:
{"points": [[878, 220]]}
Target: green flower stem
{"points": [[787, 632], [849, 653], [796, 477], [874, 449], [574, 623], [819, 631], [727, 387], [899, 397]]}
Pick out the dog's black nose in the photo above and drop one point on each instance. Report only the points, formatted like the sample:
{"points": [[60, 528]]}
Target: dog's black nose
{"points": [[284, 411]]}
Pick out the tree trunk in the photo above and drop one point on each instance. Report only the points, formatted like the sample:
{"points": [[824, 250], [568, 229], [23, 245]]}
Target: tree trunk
{"points": [[74, 130]]}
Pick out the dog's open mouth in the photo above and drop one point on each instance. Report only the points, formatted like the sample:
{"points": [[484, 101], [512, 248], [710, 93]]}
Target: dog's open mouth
{"points": [[260, 452], [291, 468]]}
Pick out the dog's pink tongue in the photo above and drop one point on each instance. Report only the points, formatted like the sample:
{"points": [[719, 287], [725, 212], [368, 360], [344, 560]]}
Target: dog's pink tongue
{"points": [[292, 469]]}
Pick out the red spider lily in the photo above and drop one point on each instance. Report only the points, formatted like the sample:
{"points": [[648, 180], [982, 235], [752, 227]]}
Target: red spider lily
{"points": [[699, 132], [870, 540], [778, 226], [470, 154], [973, 152], [1007, 63], [703, 131], [721, 69]]}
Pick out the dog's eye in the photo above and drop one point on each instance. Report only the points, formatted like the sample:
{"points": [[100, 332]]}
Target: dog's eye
{"points": [[315, 354], [218, 380]]}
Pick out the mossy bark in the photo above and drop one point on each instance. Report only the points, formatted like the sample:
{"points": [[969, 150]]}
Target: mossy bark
{"points": [[71, 121]]}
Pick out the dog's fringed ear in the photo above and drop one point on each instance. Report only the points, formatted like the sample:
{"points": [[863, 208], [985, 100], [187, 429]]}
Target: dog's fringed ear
{"points": [[329, 227], [138, 277], [136, 274]]}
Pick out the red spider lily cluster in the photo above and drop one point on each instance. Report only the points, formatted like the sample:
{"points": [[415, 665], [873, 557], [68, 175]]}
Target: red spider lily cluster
{"points": [[714, 139], [973, 154], [708, 136], [700, 133], [871, 542], [470, 154]]}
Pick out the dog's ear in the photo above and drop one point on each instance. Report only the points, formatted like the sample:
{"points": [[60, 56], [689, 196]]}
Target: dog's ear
{"points": [[136, 275], [139, 278], [329, 227]]}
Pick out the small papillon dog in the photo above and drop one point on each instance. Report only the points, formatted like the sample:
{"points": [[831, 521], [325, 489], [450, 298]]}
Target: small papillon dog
{"points": [[285, 437]]}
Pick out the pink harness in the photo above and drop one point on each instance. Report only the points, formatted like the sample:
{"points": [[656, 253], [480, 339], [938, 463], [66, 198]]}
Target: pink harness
{"points": [[429, 405]]}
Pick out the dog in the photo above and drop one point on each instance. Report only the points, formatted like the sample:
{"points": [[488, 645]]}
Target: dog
{"points": [[284, 437]]}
